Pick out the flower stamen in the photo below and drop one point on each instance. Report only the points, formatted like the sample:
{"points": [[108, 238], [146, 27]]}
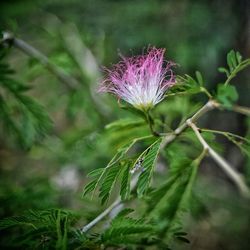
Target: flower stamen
{"points": [[141, 80]]}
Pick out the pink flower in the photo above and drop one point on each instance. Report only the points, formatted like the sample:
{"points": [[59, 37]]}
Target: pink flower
{"points": [[141, 80]]}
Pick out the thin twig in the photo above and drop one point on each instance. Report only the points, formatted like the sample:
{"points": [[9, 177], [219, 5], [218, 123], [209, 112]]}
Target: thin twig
{"points": [[226, 134], [150, 123], [101, 216], [203, 110], [242, 110], [233, 174], [117, 203], [239, 67]]}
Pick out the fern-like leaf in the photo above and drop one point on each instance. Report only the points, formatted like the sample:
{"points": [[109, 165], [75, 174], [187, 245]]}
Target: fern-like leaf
{"points": [[148, 163], [51, 224], [109, 182], [168, 202], [126, 230], [21, 114], [235, 65], [106, 177], [125, 182]]}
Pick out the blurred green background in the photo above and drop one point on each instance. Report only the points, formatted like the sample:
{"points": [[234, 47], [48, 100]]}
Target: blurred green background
{"points": [[80, 37]]}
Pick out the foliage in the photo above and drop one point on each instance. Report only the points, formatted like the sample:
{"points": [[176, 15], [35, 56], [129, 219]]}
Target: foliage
{"points": [[40, 229], [156, 179], [125, 230], [147, 161], [21, 115], [227, 95], [235, 65], [189, 85], [106, 177]]}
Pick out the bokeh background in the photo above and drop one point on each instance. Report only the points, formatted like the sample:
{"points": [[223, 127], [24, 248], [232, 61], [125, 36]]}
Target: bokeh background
{"points": [[80, 37]]}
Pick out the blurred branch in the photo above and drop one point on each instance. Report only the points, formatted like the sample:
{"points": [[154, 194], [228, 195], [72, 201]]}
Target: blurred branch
{"points": [[85, 60], [80, 52], [11, 40], [234, 176], [241, 110], [69, 81]]}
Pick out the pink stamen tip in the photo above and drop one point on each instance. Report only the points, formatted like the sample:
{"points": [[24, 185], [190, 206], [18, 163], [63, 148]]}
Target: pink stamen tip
{"points": [[140, 80]]}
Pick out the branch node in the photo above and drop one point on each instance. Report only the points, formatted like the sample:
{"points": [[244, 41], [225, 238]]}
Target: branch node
{"points": [[189, 122], [8, 38], [213, 104]]}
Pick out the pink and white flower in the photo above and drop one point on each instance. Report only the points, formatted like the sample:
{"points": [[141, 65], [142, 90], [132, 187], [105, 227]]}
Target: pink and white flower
{"points": [[140, 80]]}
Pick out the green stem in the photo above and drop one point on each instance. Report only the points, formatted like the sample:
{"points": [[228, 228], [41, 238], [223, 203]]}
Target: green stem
{"points": [[150, 122], [238, 68], [226, 134]]}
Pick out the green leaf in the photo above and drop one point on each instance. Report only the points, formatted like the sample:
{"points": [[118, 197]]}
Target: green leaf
{"points": [[224, 70], [95, 172], [148, 164], [235, 65], [124, 212], [157, 194], [108, 182], [238, 57], [90, 187], [167, 203], [61, 229], [241, 142], [188, 85], [125, 183], [21, 115], [227, 95], [125, 124], [108, 175], [126, 230], [133, 110], [231, 62], [54, 223], [16, 221], [199, 78]]}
